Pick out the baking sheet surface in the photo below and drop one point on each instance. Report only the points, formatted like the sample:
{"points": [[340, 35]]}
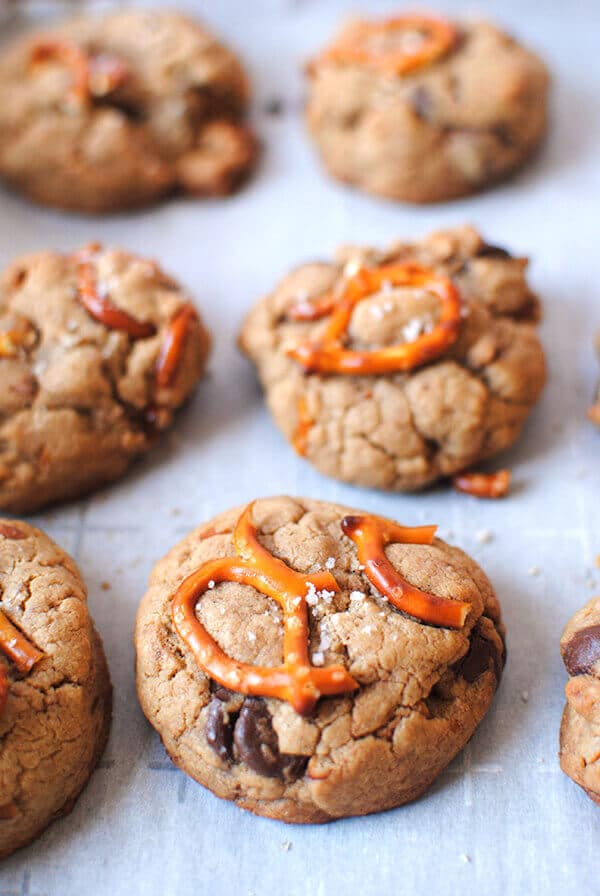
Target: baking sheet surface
{"points": [[502, 818]]}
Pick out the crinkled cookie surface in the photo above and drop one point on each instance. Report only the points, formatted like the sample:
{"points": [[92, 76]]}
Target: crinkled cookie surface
{"points": [[79, 400], [138, 105], [422, 690], [580, 729], [56, 720], [404, 431], [445, 130]]}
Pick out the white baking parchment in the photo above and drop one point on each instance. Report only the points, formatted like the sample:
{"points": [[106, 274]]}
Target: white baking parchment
{"points": [[502, 819]]}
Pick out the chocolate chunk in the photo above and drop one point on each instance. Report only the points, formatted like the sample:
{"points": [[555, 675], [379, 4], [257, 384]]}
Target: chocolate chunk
{"points": [[489, 251], [258, 746], [220, 692], [582, 651], [219, 730], [478, 658]]}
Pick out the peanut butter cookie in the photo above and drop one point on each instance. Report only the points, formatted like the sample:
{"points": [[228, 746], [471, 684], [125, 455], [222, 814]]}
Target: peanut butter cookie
{"points": [[311, 662], [394, 369], [103, 114], [97, 351], [580, 729], [55, 694], [421, 109]]}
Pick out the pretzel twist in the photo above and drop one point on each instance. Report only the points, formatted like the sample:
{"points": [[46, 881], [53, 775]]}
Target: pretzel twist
{"points": [[327, 354], [371, 534], [296, 680], [368, 43]]}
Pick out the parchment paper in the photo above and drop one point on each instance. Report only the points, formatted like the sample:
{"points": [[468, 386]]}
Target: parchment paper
{"points": [[503, 818]]}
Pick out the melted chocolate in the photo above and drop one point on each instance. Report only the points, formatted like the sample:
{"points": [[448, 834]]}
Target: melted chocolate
{"points": [[482, 655], [257, 744], [219, 730], [489, 251], [582, 651]]}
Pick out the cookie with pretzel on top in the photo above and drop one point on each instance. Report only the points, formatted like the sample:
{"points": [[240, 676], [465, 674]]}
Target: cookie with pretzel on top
{"points": [[311, 662], [420, 109], [393, 369], [106, 113], [98, 349], [55, 691]]}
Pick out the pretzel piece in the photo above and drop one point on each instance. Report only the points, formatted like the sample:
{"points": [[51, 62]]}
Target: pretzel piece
{"points": [[90, 75], [396, 46], [327, 355], [483, 485], [371, 534], [173, 345], [296, 680]]}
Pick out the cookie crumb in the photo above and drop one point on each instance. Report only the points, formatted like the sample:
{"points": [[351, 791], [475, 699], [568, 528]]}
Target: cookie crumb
{"points": [[533, 571], [465, 858], [525, 696], [105, 586], [484, 536], [286, 845]]}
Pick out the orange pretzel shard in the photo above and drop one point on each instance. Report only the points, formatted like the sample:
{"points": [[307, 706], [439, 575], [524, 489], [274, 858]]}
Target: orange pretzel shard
{"points": [[100, 307], [371, 534], [97, 75], [327, 354], [422, 41], [483, 485], [18, 649], [296, 681]]}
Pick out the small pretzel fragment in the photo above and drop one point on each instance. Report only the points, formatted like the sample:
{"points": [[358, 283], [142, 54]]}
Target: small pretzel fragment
{"points": [[173, 345], [303, 427], [296, 680], [371, 534], [90, 75], [327, 354], [483, 485], [18, 649], [99, 306], [396, 46]]}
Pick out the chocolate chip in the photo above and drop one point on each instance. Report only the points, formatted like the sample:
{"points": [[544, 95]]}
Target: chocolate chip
{"points": [[489, 251], [257, 744], [478, 658], [582, 651], [220, 692], [219, 729]]}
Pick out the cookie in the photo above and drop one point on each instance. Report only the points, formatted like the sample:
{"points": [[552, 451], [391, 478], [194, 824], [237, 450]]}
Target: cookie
{"points": [[290, 662], [104, 114], [97, 351], [55, 693], [580, 728], [421, 109], [394, 369]]}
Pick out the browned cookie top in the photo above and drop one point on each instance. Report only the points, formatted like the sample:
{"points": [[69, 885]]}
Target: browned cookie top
{"points": [[580, 732], [97, 351], [420, 689], [457, 121], [403, 430], [114, 112], [54, 722]]}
